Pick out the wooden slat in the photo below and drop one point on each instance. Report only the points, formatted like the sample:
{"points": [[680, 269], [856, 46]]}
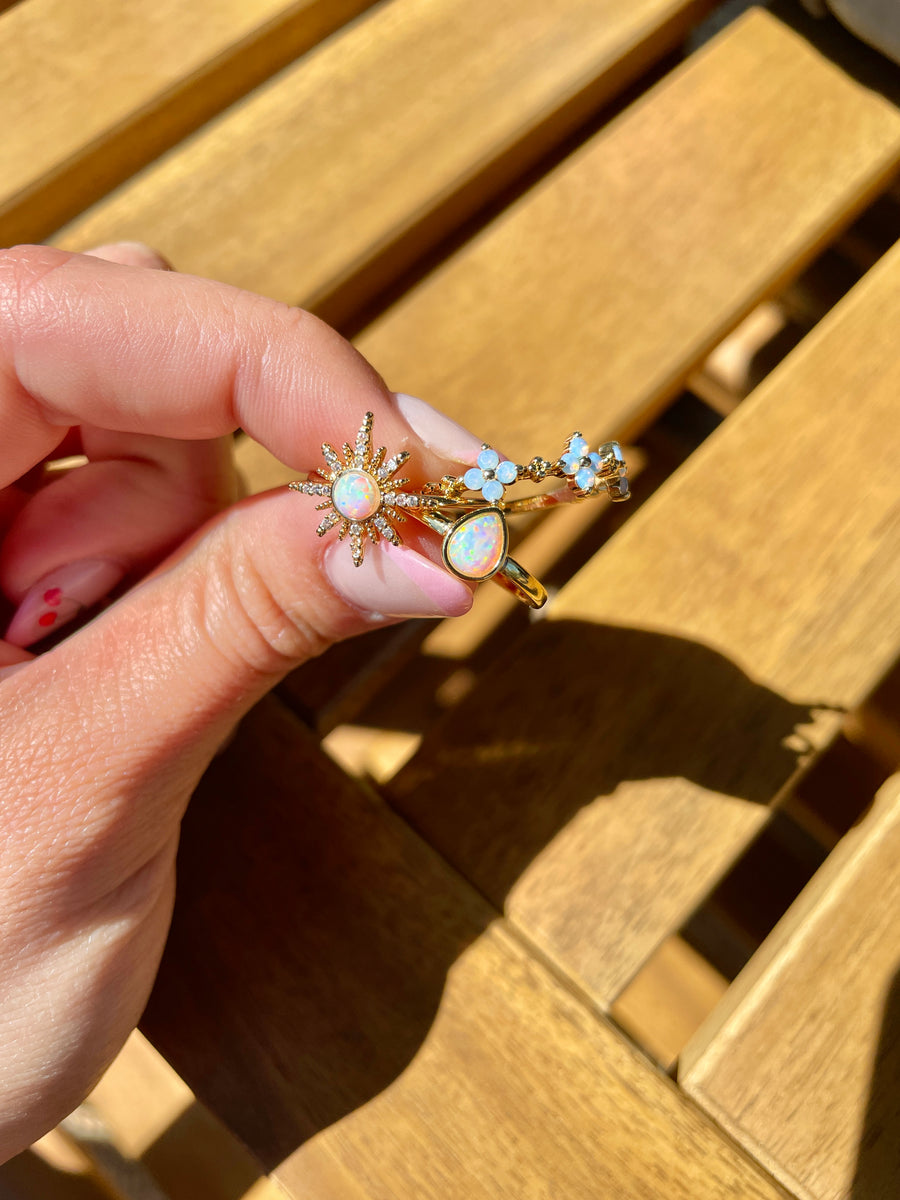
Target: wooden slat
{"points": [[801, 1060], [92, 91], [370, 1030], [326, 184], [587, 304], [606, 774], [519, 1091], [523, 349]]}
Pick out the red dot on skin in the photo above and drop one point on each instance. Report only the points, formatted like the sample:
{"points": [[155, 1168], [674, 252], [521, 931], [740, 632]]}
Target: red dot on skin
{"points": [[53, 596], [46, 619]]}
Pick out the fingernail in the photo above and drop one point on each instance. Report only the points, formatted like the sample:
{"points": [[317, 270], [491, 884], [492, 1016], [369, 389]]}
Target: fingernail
{"points": [[439, 433], [61, 595], [394, 581], [5, 672], [130, 254]]}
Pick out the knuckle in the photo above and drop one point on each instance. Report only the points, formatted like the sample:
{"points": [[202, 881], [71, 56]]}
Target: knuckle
{"points": [[247, 621], [22, 271]]}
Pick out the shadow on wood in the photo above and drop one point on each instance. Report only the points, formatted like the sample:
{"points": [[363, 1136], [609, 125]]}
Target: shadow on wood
{"points": [[313, 932], [878, 1163], [575, 711]]}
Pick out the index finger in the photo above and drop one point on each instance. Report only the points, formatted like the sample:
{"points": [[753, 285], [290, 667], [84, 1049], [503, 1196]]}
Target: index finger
{"points": [[88, 341]]}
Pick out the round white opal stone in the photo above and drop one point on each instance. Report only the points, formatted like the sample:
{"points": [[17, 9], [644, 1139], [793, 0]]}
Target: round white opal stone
{"points": [[356, 495], [475, 548]]}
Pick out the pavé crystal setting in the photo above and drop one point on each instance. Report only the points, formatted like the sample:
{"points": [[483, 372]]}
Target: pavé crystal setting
{"points": [[360, 492]]}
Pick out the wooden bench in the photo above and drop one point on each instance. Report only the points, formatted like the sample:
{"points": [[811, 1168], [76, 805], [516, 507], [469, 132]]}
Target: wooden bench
{"points": [[532, 215], [800, 1061]]}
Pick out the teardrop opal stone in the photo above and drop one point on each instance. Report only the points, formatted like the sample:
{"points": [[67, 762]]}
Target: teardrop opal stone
{"points": [[476, 547]]}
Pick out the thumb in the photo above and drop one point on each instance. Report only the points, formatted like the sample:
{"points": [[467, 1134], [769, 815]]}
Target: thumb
{"points": [[135, 703]]}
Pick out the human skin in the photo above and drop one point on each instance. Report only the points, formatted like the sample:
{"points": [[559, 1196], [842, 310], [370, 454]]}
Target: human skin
{"points": [[104, 736]]}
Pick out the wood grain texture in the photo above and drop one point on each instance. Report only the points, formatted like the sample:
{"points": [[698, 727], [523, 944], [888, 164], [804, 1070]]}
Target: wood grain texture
{"points": [[92, 91], [631, 744], [311, 938], [354, 1013], [589, 301], [323, 186], [520, 1091], [801, 1061]]}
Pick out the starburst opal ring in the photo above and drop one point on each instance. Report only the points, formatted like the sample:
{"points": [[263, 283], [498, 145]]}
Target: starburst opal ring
{"points": [[359, 492]]}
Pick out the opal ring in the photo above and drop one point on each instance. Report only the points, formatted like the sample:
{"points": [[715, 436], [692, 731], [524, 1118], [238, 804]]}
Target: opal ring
{"points": [[360, 493], [475, 546]]}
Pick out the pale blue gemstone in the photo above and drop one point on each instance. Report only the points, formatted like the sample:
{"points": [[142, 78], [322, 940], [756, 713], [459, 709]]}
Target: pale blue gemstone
{"points": [[595, 460], [473, 479], [571, 463], [585, 479], [488, 460], [578, 446], [506, 472], [492, 490]]}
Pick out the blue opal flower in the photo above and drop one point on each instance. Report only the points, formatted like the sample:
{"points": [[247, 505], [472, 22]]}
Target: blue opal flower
{"points": [[580, 464], [491, 477]]}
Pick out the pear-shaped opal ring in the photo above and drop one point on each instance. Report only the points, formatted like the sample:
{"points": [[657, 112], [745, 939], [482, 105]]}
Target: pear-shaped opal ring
{"points": [[361, 495]]}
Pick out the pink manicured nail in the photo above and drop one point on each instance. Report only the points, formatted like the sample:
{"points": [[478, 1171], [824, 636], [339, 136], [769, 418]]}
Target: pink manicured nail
{"points": [[61, 595], [130, 254], [439, 433], [395, 581]]}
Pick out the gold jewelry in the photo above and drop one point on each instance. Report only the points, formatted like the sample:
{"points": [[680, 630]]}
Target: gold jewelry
{"points": [[475, 548], [587, 473], [359, 493], [364, 499]]}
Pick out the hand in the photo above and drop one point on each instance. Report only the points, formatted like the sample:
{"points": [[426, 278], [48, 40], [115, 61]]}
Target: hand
{"points": [[104, 736]]}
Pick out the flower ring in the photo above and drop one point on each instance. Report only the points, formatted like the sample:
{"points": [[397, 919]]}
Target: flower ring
{"points": [[491, 477]]}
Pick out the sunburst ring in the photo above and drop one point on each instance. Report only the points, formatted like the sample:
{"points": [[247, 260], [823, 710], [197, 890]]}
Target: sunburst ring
{"points": [[359, 492]]}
